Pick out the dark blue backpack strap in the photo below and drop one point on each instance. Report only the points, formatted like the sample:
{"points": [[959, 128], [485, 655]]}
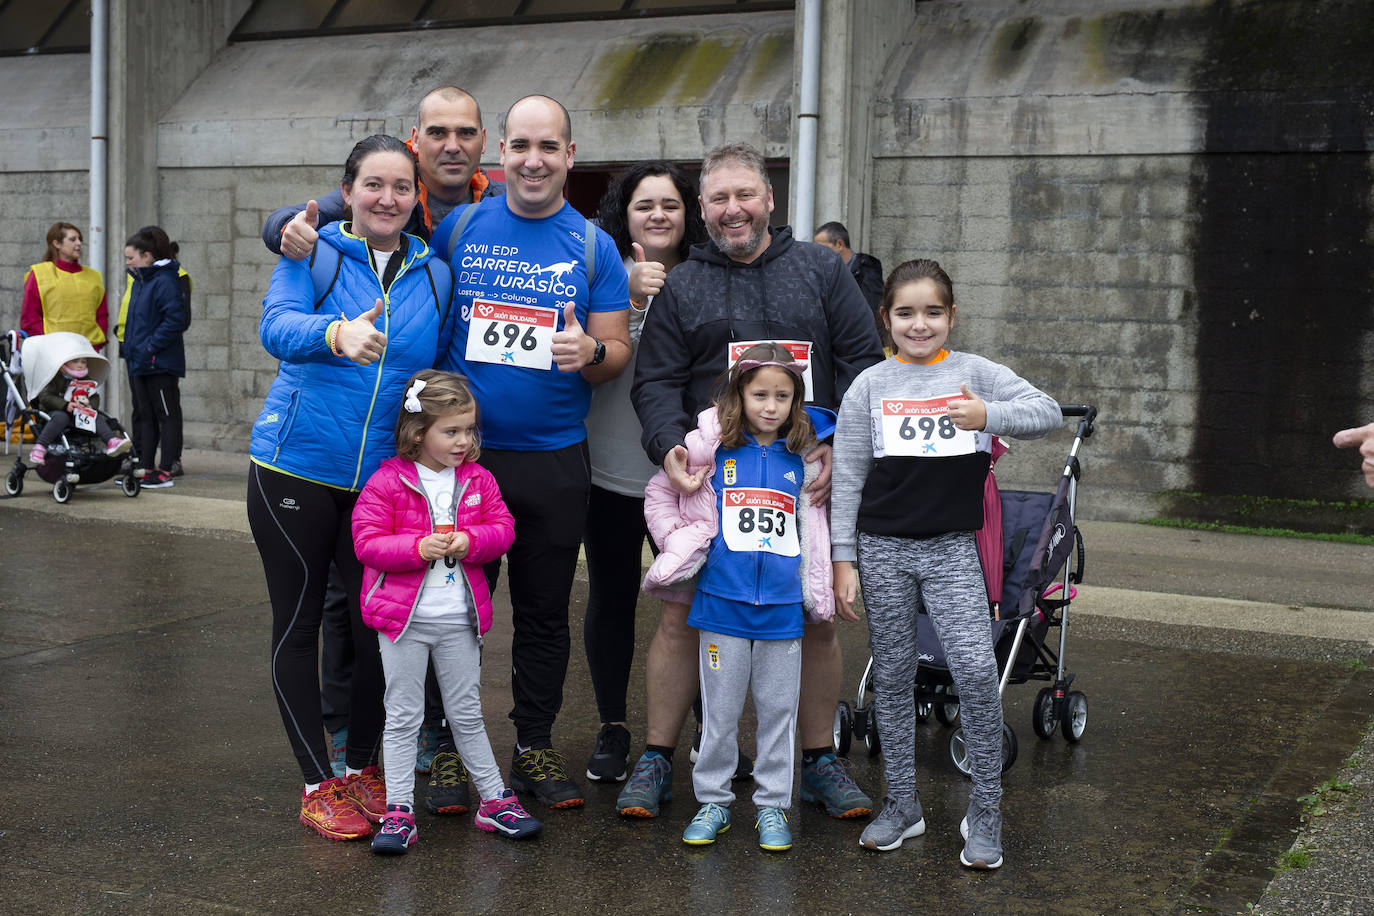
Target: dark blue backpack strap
{"points": [[589, 256], [463, 219], [325, 262]]}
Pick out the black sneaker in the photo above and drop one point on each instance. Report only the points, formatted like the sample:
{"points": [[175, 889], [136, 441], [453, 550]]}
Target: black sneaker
{"points": [[543, 772], [447, 792], [176, 470], [157, 480], [608, 759]]}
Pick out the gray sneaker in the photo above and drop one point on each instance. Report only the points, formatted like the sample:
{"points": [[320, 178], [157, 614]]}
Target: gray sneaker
{"points": [[901, 819], [982, 831]]}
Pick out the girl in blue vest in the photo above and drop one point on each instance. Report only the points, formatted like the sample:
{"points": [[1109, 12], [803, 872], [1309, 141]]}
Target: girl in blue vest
{"points": [[760, 553]]}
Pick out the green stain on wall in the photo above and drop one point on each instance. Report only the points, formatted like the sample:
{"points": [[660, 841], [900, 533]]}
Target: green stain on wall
{"points": [[1011, 45], [664, 70]]}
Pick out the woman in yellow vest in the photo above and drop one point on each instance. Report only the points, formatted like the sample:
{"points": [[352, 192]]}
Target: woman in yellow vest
{"points": [[62, 295]]}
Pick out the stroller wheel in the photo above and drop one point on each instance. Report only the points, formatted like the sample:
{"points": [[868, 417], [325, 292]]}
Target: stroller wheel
{"points": [[945, 713], [62, 491], [1075, 716], [871, 741], [844, 728], [958, 750], [1042, 717], [130, 484], [14, 483]]}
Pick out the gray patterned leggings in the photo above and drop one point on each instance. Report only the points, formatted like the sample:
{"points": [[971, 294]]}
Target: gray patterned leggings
{"points": [[896, 574]]}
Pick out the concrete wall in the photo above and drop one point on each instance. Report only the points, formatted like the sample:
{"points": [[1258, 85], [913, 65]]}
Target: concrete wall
{"points": [[1161, 208]]}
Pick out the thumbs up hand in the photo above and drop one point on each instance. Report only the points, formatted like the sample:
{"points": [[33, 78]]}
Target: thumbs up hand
{"points": [[359, 338], [572, 348], [969, 412], [646, 277], [298, 238]]}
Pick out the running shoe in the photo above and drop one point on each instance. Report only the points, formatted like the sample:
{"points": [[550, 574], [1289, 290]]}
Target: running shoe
{"points": [[38, 454], [368, 792], [504, 815], [117, 445], [901, 819], [175, 470], [447, 792], [543, 772], [426, 746], [338, 752], [827, 782], [331, 813], [398, 832], [650, 784], [157, 480], [982, 832], [608, 760], [711, 821], [774, 834]]}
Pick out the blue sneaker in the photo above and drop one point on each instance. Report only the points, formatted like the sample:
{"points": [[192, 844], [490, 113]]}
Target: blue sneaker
{"points": [[504, 816], [773, 833], [398, 832], [338, 752], [827, 781], [425, 748], [711, 821], [649, 785]]}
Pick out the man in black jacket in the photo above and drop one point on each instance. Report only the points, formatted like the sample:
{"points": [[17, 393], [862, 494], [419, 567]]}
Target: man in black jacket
{"points": [[748, 284], [448, 140], [867, 270]]}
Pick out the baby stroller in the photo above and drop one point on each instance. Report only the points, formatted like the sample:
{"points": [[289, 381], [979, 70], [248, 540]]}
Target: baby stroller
{"points": [[1034, 542], [79, 456]]}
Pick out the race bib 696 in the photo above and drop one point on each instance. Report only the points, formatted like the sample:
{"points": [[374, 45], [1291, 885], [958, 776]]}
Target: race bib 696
{"points": [[511, 335]]}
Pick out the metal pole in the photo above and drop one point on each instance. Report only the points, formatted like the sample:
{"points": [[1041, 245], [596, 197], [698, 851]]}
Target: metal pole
{"points": [[96, 258], [804, 168]]}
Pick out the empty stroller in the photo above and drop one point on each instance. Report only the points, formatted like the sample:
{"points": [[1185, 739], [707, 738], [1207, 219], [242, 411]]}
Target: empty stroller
{"points": [[1022, 557], [79, 455]]}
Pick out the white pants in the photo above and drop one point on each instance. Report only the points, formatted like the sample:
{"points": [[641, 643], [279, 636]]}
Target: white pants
{"points": [[457, 657]]}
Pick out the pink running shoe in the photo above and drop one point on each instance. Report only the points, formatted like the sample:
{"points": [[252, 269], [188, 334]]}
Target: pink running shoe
{"points": [[117, 446], [38, 454], [504, 815]]}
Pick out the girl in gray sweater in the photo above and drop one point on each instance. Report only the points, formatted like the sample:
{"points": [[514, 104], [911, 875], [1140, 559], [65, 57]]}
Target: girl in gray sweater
{"points": [[912, 450]]}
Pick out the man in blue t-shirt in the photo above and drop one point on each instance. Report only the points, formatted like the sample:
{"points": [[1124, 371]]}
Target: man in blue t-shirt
{"points": [[536, 330]]}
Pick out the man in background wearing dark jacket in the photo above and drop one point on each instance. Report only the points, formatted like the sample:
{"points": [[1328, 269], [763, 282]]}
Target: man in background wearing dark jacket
{"points": [[448, 140], [747, 285], [867, 270]]}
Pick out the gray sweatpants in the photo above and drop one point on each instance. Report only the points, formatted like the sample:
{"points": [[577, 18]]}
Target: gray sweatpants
{"points": [[457, 659], [896, 574], [732, 667]]}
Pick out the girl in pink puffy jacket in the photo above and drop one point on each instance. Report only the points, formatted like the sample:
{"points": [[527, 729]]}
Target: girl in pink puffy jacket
{"points": [[423, 526]]}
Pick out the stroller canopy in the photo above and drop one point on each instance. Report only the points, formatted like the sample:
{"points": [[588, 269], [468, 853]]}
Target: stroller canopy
{"points": [[44, 354]]}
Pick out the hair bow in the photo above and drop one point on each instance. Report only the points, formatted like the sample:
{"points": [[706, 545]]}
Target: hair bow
{"points": [[412, 402]]}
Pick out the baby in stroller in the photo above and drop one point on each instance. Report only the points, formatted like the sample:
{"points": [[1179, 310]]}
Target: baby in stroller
{"points": [[71, 401], [75, 441]]}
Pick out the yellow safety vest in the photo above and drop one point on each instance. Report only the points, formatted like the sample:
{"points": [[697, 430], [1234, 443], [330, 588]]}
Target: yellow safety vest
{"points": [[128, 291], [70, 300]]}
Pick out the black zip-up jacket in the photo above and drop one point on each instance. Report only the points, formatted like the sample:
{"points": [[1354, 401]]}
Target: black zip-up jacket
{"points": [[792, 291]]}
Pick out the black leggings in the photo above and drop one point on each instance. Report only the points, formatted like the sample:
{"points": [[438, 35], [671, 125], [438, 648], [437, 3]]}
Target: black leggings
{"points": [[614, 543], [299, 526], [156, 419]]}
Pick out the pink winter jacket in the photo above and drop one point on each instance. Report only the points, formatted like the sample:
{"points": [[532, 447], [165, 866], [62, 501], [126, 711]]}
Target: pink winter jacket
{"points": [[683, 524], [390, 519]]}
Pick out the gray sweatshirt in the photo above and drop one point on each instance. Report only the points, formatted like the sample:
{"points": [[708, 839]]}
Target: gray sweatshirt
{"points": [[902, 469]]}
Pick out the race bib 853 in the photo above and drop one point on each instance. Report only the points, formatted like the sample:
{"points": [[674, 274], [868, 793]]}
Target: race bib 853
{"points": [[757, 519]]}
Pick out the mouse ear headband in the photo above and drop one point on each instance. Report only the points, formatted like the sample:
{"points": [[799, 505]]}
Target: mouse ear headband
{"points": [[412, 401], [795, 368]]}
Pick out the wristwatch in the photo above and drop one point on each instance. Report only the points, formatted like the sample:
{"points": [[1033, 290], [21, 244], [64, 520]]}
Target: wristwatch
{"points": [[599, 354]]}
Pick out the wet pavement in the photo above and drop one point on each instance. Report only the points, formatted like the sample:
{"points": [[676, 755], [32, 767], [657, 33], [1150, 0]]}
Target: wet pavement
{"points": [[148, 772]]}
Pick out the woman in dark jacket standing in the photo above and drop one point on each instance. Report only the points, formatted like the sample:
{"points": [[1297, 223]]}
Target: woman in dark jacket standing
{"points": [[153, 350]]}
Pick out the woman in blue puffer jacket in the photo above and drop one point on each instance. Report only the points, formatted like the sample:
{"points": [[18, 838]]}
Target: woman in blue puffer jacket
{"points": [[369, 309]]}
